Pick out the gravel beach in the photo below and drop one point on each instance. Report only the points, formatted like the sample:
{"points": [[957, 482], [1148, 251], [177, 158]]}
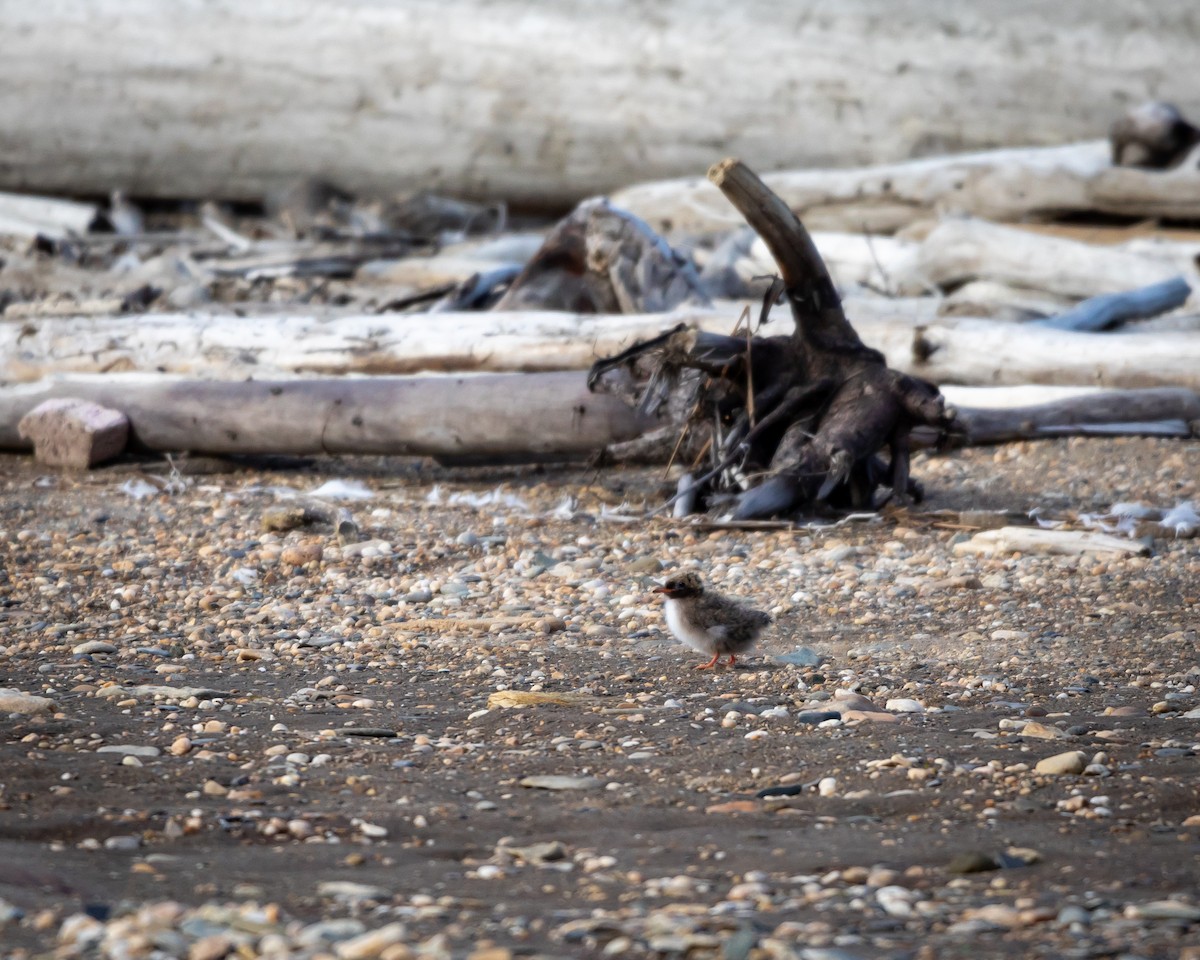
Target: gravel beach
{"points": [[224, 733]]}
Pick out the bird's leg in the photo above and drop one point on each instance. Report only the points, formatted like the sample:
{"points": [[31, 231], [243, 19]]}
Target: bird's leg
{"points": [[732, 659], [711, 663]]}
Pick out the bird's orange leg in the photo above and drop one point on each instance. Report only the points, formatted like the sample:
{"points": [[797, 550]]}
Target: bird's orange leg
{"points": [[711, 663], [732, 659]]}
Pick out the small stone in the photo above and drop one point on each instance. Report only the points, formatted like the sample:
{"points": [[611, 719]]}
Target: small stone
{"points": [[73, 433], [282, 519], [644, 566], [301, 554], [1042, 732], [213, 947], [130, 749], [1071, 762], [827, 786], [1073, 914], [14, 701], [372, 943], [93, 646], [869, 716], [852, 701], [903, 705], [973, 861], [552, 782], [352, 892], [815, 717], [801, 657], [735, 806], [213, 789], [124, 842], [1163, 910]]}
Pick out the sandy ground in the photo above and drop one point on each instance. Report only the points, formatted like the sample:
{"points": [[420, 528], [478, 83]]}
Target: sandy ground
{"points": [[323, 767]]}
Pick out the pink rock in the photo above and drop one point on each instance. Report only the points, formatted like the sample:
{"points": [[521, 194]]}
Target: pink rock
{"points": [[78, 434]]}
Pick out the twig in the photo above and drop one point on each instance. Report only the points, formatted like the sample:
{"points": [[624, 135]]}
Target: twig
{"points": [[887, 281]]}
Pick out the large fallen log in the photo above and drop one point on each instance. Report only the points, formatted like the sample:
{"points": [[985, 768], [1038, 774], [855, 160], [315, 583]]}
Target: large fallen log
{"points": [[474, 416], [186, 99], [1012, 185], [949, 350]]}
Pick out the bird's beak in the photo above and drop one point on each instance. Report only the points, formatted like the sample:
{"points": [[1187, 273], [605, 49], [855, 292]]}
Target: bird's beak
{"points": [[660, 590]]}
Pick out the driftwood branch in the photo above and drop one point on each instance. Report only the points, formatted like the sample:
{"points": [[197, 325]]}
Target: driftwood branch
{"points": [[1164, 411]]}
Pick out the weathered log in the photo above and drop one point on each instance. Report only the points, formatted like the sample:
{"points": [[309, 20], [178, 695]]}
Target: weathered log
{"points": [[1013, 185], [230, 346], [987, 353], [491, 415], [944, 350], [24, 216], [1125, 411], [186, 99], [963, 249], [1031, 540]]}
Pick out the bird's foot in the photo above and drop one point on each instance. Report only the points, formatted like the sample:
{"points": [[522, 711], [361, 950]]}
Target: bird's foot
{"points": [[711, 663]]}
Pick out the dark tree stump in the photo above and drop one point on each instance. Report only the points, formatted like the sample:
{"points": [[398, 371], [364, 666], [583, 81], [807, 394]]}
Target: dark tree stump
{"points": [[808, 414]]}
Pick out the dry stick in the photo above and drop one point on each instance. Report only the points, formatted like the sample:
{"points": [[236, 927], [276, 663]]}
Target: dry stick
{"points": [[687, 425]]}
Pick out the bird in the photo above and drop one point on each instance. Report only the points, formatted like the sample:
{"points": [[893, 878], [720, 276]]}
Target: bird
{"points": [[708, 622]]}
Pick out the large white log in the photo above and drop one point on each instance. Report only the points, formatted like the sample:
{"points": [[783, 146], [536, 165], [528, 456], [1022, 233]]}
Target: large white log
{"points": [[1007, 185], [986, 353], [546, 102], [963, 350], [222, 345], [452, 416]]}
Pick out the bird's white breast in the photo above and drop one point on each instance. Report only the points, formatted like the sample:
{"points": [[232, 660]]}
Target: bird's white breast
{"points": [[694, 635]]}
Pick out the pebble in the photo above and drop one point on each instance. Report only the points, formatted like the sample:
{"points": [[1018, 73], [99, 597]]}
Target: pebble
{"points": [[372, 943], [552, 782], [130, 749], [827, 786], [904, 705], [1041, 731], [94, 646], [1164, 910], [14, 701], [801, 657], [1071, 762], [302, 554]]}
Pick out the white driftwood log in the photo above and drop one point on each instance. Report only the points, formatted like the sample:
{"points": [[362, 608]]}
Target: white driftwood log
{"points": [[963, 249], [451, 416], [233, 97], [990, 543], [23, 216], [1006, 185], [230, 346], [963, 350], [988, 353]]}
